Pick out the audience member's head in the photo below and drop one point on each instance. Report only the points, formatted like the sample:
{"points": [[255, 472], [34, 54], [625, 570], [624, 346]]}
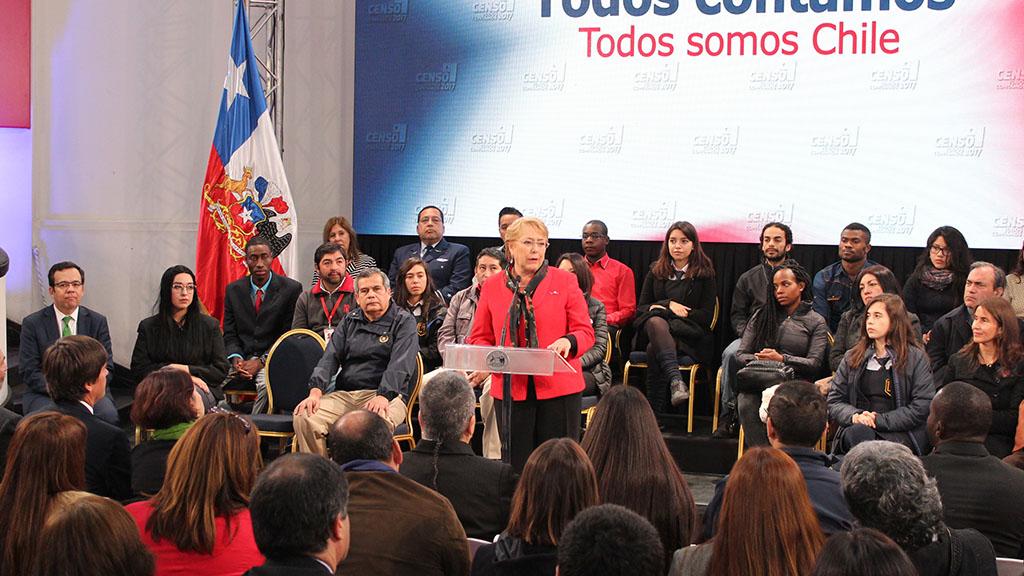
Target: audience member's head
{"points": [[610, 539], [682, 247], [210, 473], [415, 285], [178, 295], [575, 264], [946, 249], [363, 435], [46, 457], [595, 239], [340, 231], [767, 525], [790, 285], [863, 552], [258, 257], [995, 327], [430, 224], [959, 412], [75, 368], [373, 292], [635, 468], [886, 321], [489, 262], [983, 281], [797, 414], [93, 535], [887, 489], [299, 507], [872, 281], [854, 243], [447, 408], [164, 398], [330, 262], [776, 242], [67, 285], [557, 483], [506, 216]]}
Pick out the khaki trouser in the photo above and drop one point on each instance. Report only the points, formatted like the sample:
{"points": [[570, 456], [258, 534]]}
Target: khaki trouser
{"points": [[491, 442], [311, 431]]}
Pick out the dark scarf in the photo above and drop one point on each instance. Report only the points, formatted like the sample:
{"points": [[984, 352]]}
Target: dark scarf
{"points": [[522, 305], [936, 279]]}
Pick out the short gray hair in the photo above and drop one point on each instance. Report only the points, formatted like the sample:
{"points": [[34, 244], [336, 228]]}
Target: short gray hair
{"points": [[1000, 275], [446, 405], [887, 489], [369, 272]]}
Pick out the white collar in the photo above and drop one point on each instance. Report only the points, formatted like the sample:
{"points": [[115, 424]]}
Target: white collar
{"points": [[324, 564], [87, 406], [60, 319]]}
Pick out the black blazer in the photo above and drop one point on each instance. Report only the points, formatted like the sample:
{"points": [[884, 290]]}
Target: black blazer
{"points": [[149, 466], [199, 345], [39, 331], [949, 334], [246, 334], [980, 491], [108, 467], [451, 267], [297, 566], [479, 489]]}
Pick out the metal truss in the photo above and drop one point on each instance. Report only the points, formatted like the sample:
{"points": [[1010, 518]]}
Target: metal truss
{"points": [[266, 26]]}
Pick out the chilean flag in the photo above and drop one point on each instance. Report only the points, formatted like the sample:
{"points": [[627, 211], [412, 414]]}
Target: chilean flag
{"points": [[245, 193]]}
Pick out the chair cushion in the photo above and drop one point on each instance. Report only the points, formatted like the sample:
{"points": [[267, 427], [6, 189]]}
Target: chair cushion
{"points": [[273, 422], [401, 430], [589, 402], [637, 357]]}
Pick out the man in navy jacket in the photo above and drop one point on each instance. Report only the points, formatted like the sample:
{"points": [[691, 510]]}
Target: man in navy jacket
{"points": [[449, 263]]}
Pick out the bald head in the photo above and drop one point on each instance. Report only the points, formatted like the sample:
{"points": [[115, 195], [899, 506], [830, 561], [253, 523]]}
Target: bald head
{"points": [[360, 435], [960, 412]]}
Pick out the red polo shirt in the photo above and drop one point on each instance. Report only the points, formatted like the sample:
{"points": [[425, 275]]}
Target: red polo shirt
{"points": [[615, 287]]}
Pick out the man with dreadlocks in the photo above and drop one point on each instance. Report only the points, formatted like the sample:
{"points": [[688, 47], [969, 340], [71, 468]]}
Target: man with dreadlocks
{"points": [[786, 330], [479, 489]]}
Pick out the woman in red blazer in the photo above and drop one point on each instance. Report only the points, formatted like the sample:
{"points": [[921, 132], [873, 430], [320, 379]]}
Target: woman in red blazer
{"points": [[551, 313]]}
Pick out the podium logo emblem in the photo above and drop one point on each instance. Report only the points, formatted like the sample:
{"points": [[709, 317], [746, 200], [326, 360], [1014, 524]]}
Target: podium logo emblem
{"points": [[497, 360]]}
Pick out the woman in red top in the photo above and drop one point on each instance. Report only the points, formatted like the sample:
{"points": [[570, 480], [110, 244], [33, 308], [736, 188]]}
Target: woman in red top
{"points": [[198, 524], [550, 312]]}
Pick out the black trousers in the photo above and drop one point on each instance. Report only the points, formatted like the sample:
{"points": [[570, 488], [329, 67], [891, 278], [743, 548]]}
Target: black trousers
{"points": [[536, 421], [748, 406]]}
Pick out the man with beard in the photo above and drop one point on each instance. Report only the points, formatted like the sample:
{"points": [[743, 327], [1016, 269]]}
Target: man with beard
{"points": [[834, 283], [322, 307]]}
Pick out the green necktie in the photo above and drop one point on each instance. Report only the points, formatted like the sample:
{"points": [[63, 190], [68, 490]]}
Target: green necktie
{"points": [[66, 330]]}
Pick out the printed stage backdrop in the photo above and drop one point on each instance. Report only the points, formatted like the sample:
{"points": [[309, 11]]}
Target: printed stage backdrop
{"points": [[901, 114]]}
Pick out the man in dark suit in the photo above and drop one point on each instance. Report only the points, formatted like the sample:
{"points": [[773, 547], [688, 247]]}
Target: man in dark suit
{"points": [[479, 489], [978, 490], [64, 318], [450, 265], [258, 309], [300, 519], [75, 368]]}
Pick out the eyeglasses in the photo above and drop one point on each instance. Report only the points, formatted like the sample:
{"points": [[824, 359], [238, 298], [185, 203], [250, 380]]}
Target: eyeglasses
{"points": [[592, 235], [427, 219], [66, 285], [531, 244], [186, 288], [245, 422], [936, 249]]}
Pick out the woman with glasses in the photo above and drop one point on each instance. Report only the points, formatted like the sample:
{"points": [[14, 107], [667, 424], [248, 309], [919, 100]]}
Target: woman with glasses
{"points": [[533, 305], [937, 284], [181, 335]]}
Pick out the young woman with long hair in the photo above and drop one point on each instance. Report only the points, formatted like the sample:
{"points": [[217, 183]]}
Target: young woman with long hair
{"points": [[415, 292], [936, 285]]}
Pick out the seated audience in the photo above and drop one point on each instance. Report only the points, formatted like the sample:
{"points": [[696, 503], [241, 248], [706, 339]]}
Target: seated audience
{"points": [[46, 466], [871, 282], [258, 309], [614, 283], [448, 262], [506, 216], [748, 297], [883, 387], [181, 336], [952, 331], [558, 483], [834, 285], [415, 294], [597, 375], [165, 407], [936, 286], [300, 516], [324, 305], [863, 552], [610, 539], [767, 525], [994, 362], [977, 489], [785, 330], [93, 536], [458, 322], [375, 347], [888, 489], [635, 469], [199, 522], [479, 489], [1015, 285], [398, 526], [674, 313], [338, 230], [65, 317], [75, 368], [8, 420], [797, 415]]}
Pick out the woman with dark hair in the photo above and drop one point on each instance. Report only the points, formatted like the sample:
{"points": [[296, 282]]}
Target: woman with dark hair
{"points": [[636, 470], [181, 335], [415, 293], [596, 372], [936, 285], [785, 330], [883, 388], [558, 482], [767, 526], [340, 231], [1015, 285], [674, 313], [871, 282], [45, 469], [863, 552], [992, 362], [167, 403], [198, 523]]}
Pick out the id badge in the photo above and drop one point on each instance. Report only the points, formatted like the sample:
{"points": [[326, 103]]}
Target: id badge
{"points": [[328, 332]]}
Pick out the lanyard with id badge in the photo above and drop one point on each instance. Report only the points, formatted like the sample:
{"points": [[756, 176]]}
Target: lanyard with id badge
{"points": [[329, 329]]}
